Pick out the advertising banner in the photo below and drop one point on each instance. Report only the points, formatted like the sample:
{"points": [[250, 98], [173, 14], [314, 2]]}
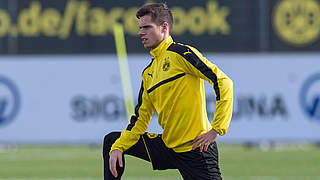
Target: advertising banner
{"points": [[294, 25], [84, 26], [71, 99]]}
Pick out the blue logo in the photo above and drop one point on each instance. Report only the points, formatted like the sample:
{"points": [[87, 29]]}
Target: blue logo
{"points": [[9, 100], [310, 96]]}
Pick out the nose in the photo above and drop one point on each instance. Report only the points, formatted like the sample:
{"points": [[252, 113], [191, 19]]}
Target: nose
{"points": [[141, 33]]}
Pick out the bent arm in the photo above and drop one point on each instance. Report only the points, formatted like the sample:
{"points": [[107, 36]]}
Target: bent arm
{"points": [[138, 123], [194, 63]]}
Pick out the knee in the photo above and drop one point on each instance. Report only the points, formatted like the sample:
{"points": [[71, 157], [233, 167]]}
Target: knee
{"points": [[110, 138]]}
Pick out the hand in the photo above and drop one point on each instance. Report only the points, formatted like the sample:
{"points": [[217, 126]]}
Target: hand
{"points": [[205, 140], [115, 156]]}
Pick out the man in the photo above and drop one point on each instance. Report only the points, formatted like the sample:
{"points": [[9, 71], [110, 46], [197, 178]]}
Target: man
{"points": [[172, 84]]}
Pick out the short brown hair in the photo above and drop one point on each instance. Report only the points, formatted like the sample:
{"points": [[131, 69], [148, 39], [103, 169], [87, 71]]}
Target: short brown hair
{"points": [[159, 13]]}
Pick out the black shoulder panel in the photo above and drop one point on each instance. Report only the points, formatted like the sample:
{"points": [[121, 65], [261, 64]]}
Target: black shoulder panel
{"points": [[178, 48], [193, 59]]}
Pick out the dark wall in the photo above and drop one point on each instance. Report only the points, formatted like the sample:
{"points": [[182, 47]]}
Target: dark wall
{"points": [[84, 26]]}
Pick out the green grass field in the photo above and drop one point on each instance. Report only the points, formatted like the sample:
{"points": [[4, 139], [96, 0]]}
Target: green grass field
{"points": [[85, 163]]}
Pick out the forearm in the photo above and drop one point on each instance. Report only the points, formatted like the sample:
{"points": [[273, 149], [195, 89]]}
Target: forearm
{"points": [[222, 116], [224, 107], [126, 140]]}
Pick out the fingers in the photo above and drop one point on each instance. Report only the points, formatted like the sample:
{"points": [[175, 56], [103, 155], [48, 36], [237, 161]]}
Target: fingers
{"points": [[199, 141], [206, 147], [195, 140], [115, 156], [201, 147], [120, 160], [196, 143], [112, 166], [203, 141]]}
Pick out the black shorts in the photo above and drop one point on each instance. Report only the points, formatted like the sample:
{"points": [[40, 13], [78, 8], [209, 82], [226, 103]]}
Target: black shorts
{"points": [[192, 165]]}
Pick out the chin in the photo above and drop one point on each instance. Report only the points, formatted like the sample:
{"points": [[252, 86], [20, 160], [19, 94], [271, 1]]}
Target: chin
{"points": [[149, 46], [146, 46]]}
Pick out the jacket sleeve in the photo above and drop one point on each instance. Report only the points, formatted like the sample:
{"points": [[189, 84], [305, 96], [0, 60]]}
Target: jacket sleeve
{"points": [[138, 122], [194, 63]]}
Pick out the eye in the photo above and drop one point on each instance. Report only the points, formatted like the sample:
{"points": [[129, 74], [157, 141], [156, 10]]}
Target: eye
{"points": [[146, 27]]}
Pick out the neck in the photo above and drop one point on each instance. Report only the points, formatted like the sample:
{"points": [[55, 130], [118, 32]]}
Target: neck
{"points": [[163, 45], [166, 35]]}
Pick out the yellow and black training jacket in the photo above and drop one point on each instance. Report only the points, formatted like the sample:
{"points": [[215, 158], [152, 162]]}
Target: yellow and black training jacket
{"points": [[172, 84]]}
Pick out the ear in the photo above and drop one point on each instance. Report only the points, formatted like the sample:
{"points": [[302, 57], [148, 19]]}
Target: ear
{"points": [[165, 27]]}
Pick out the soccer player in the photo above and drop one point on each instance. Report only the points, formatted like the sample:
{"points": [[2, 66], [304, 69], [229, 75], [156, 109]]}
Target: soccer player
{"points": [[172, 84]]}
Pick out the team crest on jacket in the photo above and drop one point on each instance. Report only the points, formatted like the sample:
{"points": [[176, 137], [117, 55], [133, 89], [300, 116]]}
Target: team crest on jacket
{"points": [[166, 64]]}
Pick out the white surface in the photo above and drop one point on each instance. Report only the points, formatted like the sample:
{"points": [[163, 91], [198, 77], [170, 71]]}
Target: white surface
{"points": [[48, 85]]}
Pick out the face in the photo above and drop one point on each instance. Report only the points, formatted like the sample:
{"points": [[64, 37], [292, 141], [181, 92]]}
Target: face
{"points": [[150, 33]]}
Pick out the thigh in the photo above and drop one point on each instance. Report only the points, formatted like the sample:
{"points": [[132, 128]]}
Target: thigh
{"points": [[196, 165], [139, 150], [160, 155], [150, 147]]}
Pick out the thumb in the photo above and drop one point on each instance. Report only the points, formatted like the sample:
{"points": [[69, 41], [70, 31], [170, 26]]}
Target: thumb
{"points": [[120, 160]]}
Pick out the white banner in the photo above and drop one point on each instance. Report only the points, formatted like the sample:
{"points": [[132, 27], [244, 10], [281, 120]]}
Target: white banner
{"points": [[62, 99]]}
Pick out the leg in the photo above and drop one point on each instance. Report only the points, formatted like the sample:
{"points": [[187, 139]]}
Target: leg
{"points": [[107, 143], [195, 165], [137, 150]]}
